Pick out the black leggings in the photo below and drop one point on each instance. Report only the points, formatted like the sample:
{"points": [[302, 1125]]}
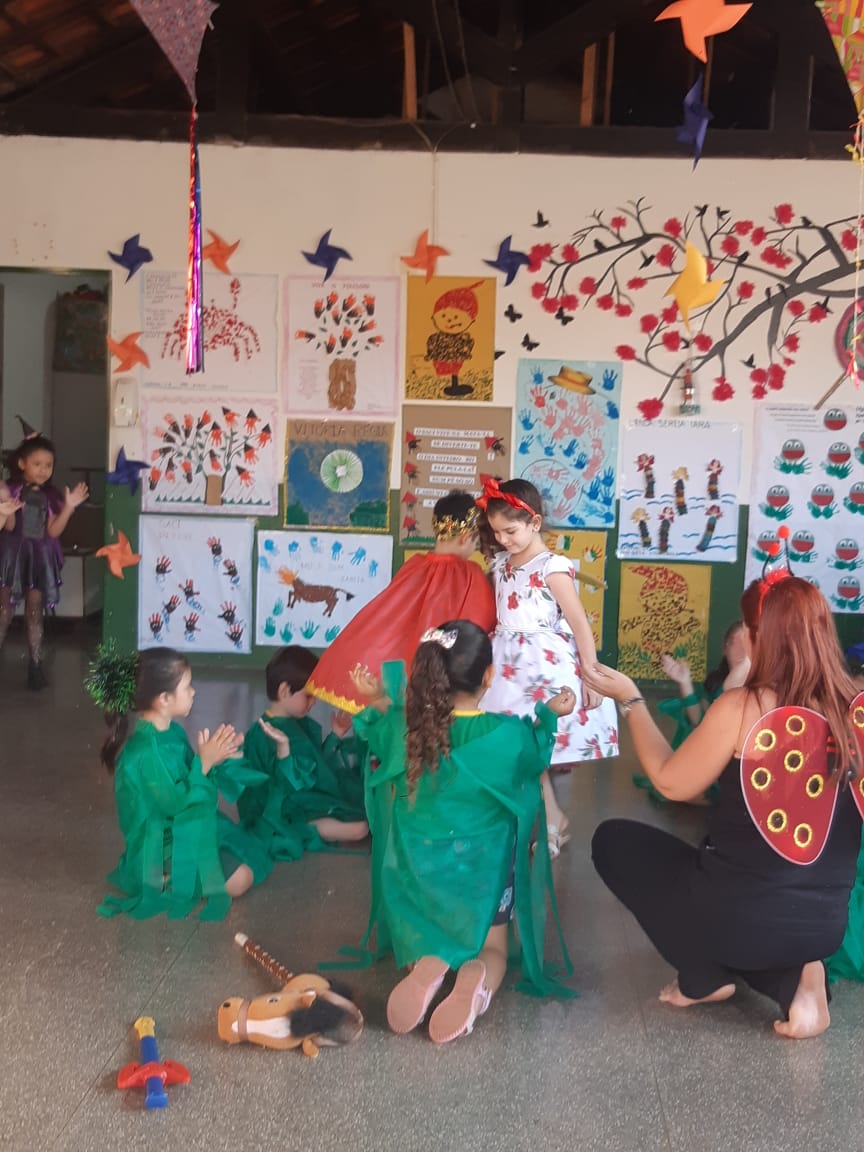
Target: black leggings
{"points": [[654, 875]]}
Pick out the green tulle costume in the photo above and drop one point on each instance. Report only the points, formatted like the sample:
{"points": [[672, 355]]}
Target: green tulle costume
{"points": [[319, 777], [443, 853], [677, 707], [179, 846], [847, 963]]}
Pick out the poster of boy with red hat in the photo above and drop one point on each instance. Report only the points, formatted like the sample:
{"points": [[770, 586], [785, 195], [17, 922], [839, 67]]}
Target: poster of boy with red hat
{"points": [[456, 359]]}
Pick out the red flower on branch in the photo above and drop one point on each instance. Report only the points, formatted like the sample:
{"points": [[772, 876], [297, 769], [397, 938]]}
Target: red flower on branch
{"points": [[745, 289], [817, 314], [606, 303], [650, 409], [757, 236], [665, 255], [570, 302], [569, 254], [849, 240], [550, 304], [672, 227], [729, 246], [539, 290], [670, 314], [742, 227], [792, 342], [759, 376], [618, 222], [784, 214], [723, 390], [625, 352], [671, 340], [536, 256], [702, 342], [796, 307], [648, 324], [623, 310], [588, 285], [759, 392], [776, 377], [636, 283]]}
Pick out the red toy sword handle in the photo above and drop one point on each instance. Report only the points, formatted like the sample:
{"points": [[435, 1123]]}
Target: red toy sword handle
{"points": [[267, 962]]}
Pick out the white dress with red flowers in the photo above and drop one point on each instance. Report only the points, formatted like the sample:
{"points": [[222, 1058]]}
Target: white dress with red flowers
{"points": [[535, 656]]}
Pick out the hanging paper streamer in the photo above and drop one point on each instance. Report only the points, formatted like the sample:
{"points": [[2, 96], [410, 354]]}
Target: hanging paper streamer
{"points": [[845, 21], [178, 29]]}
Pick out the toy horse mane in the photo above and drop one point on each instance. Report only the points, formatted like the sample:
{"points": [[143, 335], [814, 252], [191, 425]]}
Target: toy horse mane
{"points": [[308, 1013]]}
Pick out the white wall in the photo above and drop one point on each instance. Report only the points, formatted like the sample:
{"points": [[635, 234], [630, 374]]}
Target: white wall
{"points": [[66, 202]]}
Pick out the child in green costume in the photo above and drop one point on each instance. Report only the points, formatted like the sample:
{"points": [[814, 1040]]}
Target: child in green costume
{"points": [[179, 846], [312, 790], [453, 794]]}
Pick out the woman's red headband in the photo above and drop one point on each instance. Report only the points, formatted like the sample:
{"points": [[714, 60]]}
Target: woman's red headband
{"points": [[492, 491]]}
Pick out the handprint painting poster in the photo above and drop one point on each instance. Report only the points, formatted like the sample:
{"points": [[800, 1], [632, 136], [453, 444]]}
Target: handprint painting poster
{"points": [[209, 455], [808, 486], [240, 332], [312, 584], [195, 583], [679, 490], [337, 474], [566, 438]]}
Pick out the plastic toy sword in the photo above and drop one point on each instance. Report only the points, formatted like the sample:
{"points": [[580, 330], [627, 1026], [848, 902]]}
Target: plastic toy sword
{"points": [[152, 1073]]}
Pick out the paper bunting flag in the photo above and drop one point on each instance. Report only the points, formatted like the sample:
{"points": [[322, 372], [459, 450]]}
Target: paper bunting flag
{"points": [[692, 288], [119, 555], [218, 252], [845, 22], [178, 29], [696, 119], [132, 256], [426, 256], [703, 18], [128, 352]]}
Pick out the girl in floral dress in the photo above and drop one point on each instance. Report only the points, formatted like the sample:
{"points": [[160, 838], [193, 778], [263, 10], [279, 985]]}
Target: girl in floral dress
{"points": [[542, 638]]}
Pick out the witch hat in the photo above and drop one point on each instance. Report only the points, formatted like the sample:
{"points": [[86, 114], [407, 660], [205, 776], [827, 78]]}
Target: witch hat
{"points": [[27, 430]]}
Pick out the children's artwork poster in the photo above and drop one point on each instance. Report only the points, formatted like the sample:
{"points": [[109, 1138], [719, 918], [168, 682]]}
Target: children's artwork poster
{"points": [[209, 456], [808, 475], [442, 449], [341, 346], [195, 583], [679, 490], [567, 438], [450, 338], [663, 609], [241, 338], [310, 585], [337, 474], [588, 552]]}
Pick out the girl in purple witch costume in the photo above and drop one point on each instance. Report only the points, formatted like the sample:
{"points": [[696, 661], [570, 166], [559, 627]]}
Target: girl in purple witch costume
{"points": [[33, 514]]}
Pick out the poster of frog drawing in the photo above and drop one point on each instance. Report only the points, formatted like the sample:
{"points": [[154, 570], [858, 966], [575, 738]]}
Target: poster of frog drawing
{"points": [[679, 490], [311, 584]]}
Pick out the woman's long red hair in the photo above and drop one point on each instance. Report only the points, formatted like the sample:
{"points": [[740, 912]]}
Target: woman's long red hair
{"points": [[797, 657]]}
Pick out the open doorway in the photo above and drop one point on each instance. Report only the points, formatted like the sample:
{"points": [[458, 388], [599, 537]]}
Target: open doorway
{"points": [[54, 374]]}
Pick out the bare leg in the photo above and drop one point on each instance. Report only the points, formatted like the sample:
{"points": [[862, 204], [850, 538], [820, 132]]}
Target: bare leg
{"points": [[240, 881], [341, 831], [673, 996], [476, 983], [7, 611], [557, 823], [808, 1012]]}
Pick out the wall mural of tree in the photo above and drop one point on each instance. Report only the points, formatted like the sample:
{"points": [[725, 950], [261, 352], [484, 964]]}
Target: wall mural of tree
{"points": [[783, 275]]}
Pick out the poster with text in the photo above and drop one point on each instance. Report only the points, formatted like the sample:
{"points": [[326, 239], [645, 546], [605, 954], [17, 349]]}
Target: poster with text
{"points": [[240, 332], [445, 449], [588, 552], [208, 456], [341, 346], [195, 584], [663, 609], [566, 438], [679, 490], [808, 475], [450, 338], [337, 474], [310, 585]]}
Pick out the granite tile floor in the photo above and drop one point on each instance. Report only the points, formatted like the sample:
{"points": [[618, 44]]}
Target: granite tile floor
{"points": [[613, 1070]]}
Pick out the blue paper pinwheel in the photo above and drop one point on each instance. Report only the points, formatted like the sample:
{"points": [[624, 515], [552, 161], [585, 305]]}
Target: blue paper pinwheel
{"points": [[696, 120], [132, 256], [508, 261], [327, 255], [126, 471]]}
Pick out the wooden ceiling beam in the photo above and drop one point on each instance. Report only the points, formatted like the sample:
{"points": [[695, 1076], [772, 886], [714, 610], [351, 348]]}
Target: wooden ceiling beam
{"points": [[487, 56], [82, 83]]}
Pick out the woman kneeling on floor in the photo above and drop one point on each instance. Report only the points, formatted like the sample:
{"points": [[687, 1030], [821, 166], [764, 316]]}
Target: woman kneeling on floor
{"points": [[734, 906]]}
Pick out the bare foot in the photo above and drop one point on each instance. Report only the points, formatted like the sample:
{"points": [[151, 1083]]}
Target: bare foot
{"points": [[673, 995], [808, 1012]]}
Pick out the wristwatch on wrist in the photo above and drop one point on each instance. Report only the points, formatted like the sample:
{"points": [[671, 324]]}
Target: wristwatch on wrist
{"points": [[624, 706]]}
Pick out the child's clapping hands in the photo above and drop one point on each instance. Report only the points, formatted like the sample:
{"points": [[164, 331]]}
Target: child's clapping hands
{"points": [[222, 745], [283, 744]]}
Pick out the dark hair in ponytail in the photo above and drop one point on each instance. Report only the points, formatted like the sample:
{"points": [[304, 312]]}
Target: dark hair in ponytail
{"points": [[157, 670], [453, 662]]}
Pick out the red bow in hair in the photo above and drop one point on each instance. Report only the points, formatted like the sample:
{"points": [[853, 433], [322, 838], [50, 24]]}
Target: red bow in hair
{"points": [[492, 491]]}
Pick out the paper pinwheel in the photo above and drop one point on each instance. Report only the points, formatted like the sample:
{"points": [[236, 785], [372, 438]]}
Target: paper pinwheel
{"points": [[508, 261], [425, 256], [218, 252], [692, 288], [696, 119], [128, 352], [132, 256], [703, 18], [119, 555], [126, 471], [327, 255]]}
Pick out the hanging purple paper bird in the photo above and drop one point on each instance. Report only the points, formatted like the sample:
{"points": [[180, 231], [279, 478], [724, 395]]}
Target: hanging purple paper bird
{"points": [[327, 255], [696, 119], [132, 256], [508, 261]]}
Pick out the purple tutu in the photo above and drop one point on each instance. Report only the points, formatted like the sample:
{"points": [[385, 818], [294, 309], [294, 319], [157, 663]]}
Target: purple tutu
{"points": [[29, 557]]}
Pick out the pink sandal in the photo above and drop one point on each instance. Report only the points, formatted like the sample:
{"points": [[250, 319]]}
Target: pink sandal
{"points": [[469, 999], [410, 999]]}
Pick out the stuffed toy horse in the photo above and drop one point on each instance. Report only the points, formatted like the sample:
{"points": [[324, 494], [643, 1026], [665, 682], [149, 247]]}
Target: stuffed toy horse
{"points": [[309, 1012]]}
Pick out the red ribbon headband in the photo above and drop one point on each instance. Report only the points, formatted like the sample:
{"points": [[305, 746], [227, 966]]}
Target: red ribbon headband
{"points": [[492, 491]]}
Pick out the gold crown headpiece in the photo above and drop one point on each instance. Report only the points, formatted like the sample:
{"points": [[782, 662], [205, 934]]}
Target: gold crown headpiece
{"points": [[452, 527]]}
